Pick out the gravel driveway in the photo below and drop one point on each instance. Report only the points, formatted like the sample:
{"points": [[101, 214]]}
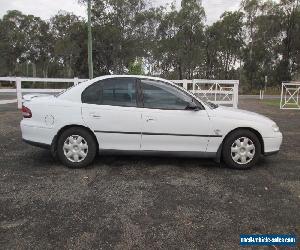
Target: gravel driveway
{"points": [[144, 202]]}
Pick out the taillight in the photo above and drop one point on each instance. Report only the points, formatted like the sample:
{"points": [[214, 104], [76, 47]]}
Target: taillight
{"points": [[26, 112]]}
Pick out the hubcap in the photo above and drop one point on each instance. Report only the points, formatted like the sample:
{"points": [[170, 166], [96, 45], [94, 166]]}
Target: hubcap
{"points": [[242, 150], [75, 148]]}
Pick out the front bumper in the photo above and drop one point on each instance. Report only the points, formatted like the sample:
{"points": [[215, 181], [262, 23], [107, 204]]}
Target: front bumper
{"points": [[271, 153], [272, 144]]}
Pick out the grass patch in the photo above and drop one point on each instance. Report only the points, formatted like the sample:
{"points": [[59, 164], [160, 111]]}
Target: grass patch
{"points": [[272, 102], [276, 103]]}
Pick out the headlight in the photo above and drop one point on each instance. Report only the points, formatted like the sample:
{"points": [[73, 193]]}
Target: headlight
{"points": [[275, 128]]}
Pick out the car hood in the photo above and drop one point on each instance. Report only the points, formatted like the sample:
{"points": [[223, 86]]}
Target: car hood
{"points": [[239, 114]]}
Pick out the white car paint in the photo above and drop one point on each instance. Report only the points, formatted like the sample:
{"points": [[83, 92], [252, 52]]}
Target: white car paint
{"points": [[50, 114], [113, 118], [177, 122]]}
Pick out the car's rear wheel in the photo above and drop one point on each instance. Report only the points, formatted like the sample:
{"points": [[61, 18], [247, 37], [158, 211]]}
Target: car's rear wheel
{"points": [[76, 147], [241, 149]]}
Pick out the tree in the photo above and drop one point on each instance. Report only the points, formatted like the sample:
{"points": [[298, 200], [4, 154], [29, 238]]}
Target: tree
{"points": [[251, 9], [12, 41], [116, 40], [261, 39], [271, 41], [69, 42], [288, 13], [180, 40], [136, 68], [223, 45], [38, 43]]}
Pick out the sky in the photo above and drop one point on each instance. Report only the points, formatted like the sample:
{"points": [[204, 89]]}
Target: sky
{"points": [[47, 8]]}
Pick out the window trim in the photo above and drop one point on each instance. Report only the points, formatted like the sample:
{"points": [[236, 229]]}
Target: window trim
{"points": [[139, 81], [112, 78]]}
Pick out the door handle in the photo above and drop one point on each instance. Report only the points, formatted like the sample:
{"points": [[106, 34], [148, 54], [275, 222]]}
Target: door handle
{"points": [[149, 119], [95, 115]]}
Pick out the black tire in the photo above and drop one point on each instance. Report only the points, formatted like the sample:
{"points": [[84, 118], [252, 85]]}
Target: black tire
{"points": [[88, 139], [230, 141]]}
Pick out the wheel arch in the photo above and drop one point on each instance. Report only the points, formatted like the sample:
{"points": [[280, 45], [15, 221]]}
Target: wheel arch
{"points": [[259, 136], [61, 130]]}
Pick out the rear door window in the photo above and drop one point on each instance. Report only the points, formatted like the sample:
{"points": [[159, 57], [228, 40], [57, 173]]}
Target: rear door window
{"points": [[113, 92]]}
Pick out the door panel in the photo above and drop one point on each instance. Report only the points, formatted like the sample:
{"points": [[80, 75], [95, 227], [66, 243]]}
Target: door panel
{"points": [[175, 130], [115, 127], [110, 110], [168, 125]]}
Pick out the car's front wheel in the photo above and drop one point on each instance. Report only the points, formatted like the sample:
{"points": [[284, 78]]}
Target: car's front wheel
{"points": [[241, 149], [76, 147]]}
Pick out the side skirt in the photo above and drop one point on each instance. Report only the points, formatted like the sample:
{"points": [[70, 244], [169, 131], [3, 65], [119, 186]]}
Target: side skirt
{"points": [[158, 153], [37, 144]]}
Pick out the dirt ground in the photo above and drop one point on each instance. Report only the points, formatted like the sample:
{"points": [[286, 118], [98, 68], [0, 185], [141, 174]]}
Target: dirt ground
{"points": [[123, 202]]}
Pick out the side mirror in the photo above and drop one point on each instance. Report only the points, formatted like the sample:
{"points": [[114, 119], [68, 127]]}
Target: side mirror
{"points": [[192, 106]]}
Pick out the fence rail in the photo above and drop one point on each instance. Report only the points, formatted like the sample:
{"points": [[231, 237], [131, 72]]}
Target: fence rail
{"points": [[19, 90], [216, 91]]}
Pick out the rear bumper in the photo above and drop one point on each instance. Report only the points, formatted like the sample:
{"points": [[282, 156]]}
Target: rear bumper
{"points": [[36, 134]]}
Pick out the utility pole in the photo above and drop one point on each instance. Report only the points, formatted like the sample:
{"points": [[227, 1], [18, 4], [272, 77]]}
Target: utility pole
{"points": [[90, 44]]}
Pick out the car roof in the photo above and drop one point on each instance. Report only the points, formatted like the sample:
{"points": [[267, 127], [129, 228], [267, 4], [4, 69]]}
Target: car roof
{"points": [[134, 76]]}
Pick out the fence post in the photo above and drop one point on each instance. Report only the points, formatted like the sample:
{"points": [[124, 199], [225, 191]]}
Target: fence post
{"points": [[216, 89], [281, 97], [236, 94], [76, 80], [194, 86], [185, 84], [260, 94], [19, 92]]}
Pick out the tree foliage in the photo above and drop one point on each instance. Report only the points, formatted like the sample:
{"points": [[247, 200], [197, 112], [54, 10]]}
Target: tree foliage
{"points": [[130, 36]]}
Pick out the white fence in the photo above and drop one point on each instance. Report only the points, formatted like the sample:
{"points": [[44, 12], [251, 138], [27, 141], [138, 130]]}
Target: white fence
{"points": [[290, 95], [261, 94], [216, 91], [19, 90]]}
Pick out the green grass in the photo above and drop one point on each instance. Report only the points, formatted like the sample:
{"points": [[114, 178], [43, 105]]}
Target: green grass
{"points": [[272, 102], [276, 103]]}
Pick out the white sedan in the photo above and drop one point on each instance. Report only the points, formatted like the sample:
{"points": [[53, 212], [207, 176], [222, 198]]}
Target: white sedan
{"points": [[143, 115]]}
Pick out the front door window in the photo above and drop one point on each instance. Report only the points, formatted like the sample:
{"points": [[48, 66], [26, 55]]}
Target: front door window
{"points": [[158, 95]]}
